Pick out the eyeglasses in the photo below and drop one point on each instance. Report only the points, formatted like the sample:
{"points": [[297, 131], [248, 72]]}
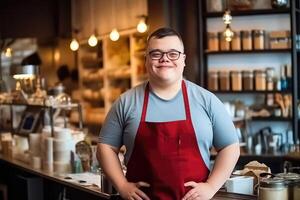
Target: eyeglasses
{"points": [[171, 55]]}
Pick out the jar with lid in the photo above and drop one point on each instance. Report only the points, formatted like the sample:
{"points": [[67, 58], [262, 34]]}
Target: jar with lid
{"points": [[270, 78], [213, 41], [272, 188], [224, 45], [246, 40], [236, 80], [258, 39], [213, 80], [236, 42], [293, 182], [247, 80], [215, 5], [260, 80], [224, 80]]}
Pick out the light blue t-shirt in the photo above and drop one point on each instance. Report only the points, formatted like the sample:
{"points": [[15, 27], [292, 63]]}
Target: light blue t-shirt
{"points": [[213, 126]]}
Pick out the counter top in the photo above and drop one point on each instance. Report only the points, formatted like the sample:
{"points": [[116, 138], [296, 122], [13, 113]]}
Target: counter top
{"points": [[94, 190]]}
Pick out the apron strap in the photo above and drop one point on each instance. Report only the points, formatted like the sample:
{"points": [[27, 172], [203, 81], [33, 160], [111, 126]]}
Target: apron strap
{"points": [[145, 104], [185, 99]]}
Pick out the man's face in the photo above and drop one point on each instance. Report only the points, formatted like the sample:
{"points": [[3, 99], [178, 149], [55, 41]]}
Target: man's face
{"points": [[165, 60]]}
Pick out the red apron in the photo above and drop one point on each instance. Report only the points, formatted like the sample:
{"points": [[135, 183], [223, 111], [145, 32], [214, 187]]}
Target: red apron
{"points": [[166, 155]]}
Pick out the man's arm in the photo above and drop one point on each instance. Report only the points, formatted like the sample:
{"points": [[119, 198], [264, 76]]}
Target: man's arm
{"points": [[224, 164], [223, 167], [109, 161]]}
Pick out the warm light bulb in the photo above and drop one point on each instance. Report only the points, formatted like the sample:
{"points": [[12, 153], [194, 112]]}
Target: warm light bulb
{"points": [[228, 34], [8, 52], [227, 17], [142, 26], [114, 35], [93, 40], [74, 45]]}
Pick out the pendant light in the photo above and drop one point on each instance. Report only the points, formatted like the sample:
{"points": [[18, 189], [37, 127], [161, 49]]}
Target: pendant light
{"points": [[74, 45], [92, 41], [114, 34], [228, 33], [142, 26]]}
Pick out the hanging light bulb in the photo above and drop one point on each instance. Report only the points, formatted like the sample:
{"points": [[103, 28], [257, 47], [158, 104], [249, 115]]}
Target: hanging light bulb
{"points": [[114, 35], [93, 40], [227, 17], [74, 45], [142, 26], [228, 33], [8, 52]]}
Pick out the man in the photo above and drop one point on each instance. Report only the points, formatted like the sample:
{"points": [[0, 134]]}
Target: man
{"points": [[168, 126]]}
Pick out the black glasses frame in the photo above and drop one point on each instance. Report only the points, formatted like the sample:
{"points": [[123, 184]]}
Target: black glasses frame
{"points": [[167, 53]]}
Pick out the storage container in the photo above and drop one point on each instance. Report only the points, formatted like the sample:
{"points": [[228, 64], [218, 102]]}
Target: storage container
{"points": [[213, 81], [224, 45], [258, 39], [224, 80], [213, 41], [236, 80], [236, 42], [247, 80], [246, 40], [260, 80]]}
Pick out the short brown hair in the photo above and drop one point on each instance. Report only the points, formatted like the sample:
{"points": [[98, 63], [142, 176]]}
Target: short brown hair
{"points": [[164, 32]]}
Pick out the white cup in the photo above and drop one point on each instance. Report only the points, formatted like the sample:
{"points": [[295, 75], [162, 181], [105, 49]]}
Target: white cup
{"points": [[240, 184]]}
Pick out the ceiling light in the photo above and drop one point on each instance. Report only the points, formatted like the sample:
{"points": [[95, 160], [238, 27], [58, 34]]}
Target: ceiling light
{"points": [[114, 35], [93, 40], [74, 45]]}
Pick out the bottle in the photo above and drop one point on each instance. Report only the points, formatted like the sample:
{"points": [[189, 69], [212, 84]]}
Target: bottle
{"points": [[283, 80]]}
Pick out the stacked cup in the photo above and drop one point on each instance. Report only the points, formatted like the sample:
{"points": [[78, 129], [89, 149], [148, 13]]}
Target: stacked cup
{"points": [[47, 149], [62, 145], [35, 149]]}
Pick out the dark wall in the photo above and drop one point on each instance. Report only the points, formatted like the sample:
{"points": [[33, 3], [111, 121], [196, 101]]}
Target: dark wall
{"points": [[183, 16], [35, 18]]}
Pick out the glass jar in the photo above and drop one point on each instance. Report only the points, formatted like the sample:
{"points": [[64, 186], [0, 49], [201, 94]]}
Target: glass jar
{"points": [[236, 42], [224, 80], [215, 5], [246, 40], [213, 41], [236, 80], [213, 83], [270, 78], [293, 182], [272, 188], [247, 80], [260, 80], [258, 39], [224, 45]]}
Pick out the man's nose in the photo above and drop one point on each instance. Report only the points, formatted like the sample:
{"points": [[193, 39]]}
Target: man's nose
{"points": [[164, 57]]}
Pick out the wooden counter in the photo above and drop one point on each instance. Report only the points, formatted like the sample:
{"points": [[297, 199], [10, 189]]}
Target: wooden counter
{"points": [[10, 167]]}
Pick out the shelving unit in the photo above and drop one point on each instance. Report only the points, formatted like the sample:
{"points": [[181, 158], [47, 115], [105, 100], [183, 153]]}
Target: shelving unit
{"points": [[207, 20], [113, 68]]}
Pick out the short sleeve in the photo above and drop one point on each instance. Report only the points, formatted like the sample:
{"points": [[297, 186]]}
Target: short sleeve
{"points": [[224, 132], [112, 128]]}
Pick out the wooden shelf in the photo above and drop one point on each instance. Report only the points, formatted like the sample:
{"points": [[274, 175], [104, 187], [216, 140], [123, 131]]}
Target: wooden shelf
{"points": [[250, 12], [252, 92], [273, 119], [248, 51]]}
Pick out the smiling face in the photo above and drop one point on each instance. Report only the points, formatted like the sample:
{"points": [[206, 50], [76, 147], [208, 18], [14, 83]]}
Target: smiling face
{"points": [[165, 69]]}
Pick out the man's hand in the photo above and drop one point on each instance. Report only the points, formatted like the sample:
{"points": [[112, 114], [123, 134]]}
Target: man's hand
{"points": [[131, 191], [199, 191]]}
